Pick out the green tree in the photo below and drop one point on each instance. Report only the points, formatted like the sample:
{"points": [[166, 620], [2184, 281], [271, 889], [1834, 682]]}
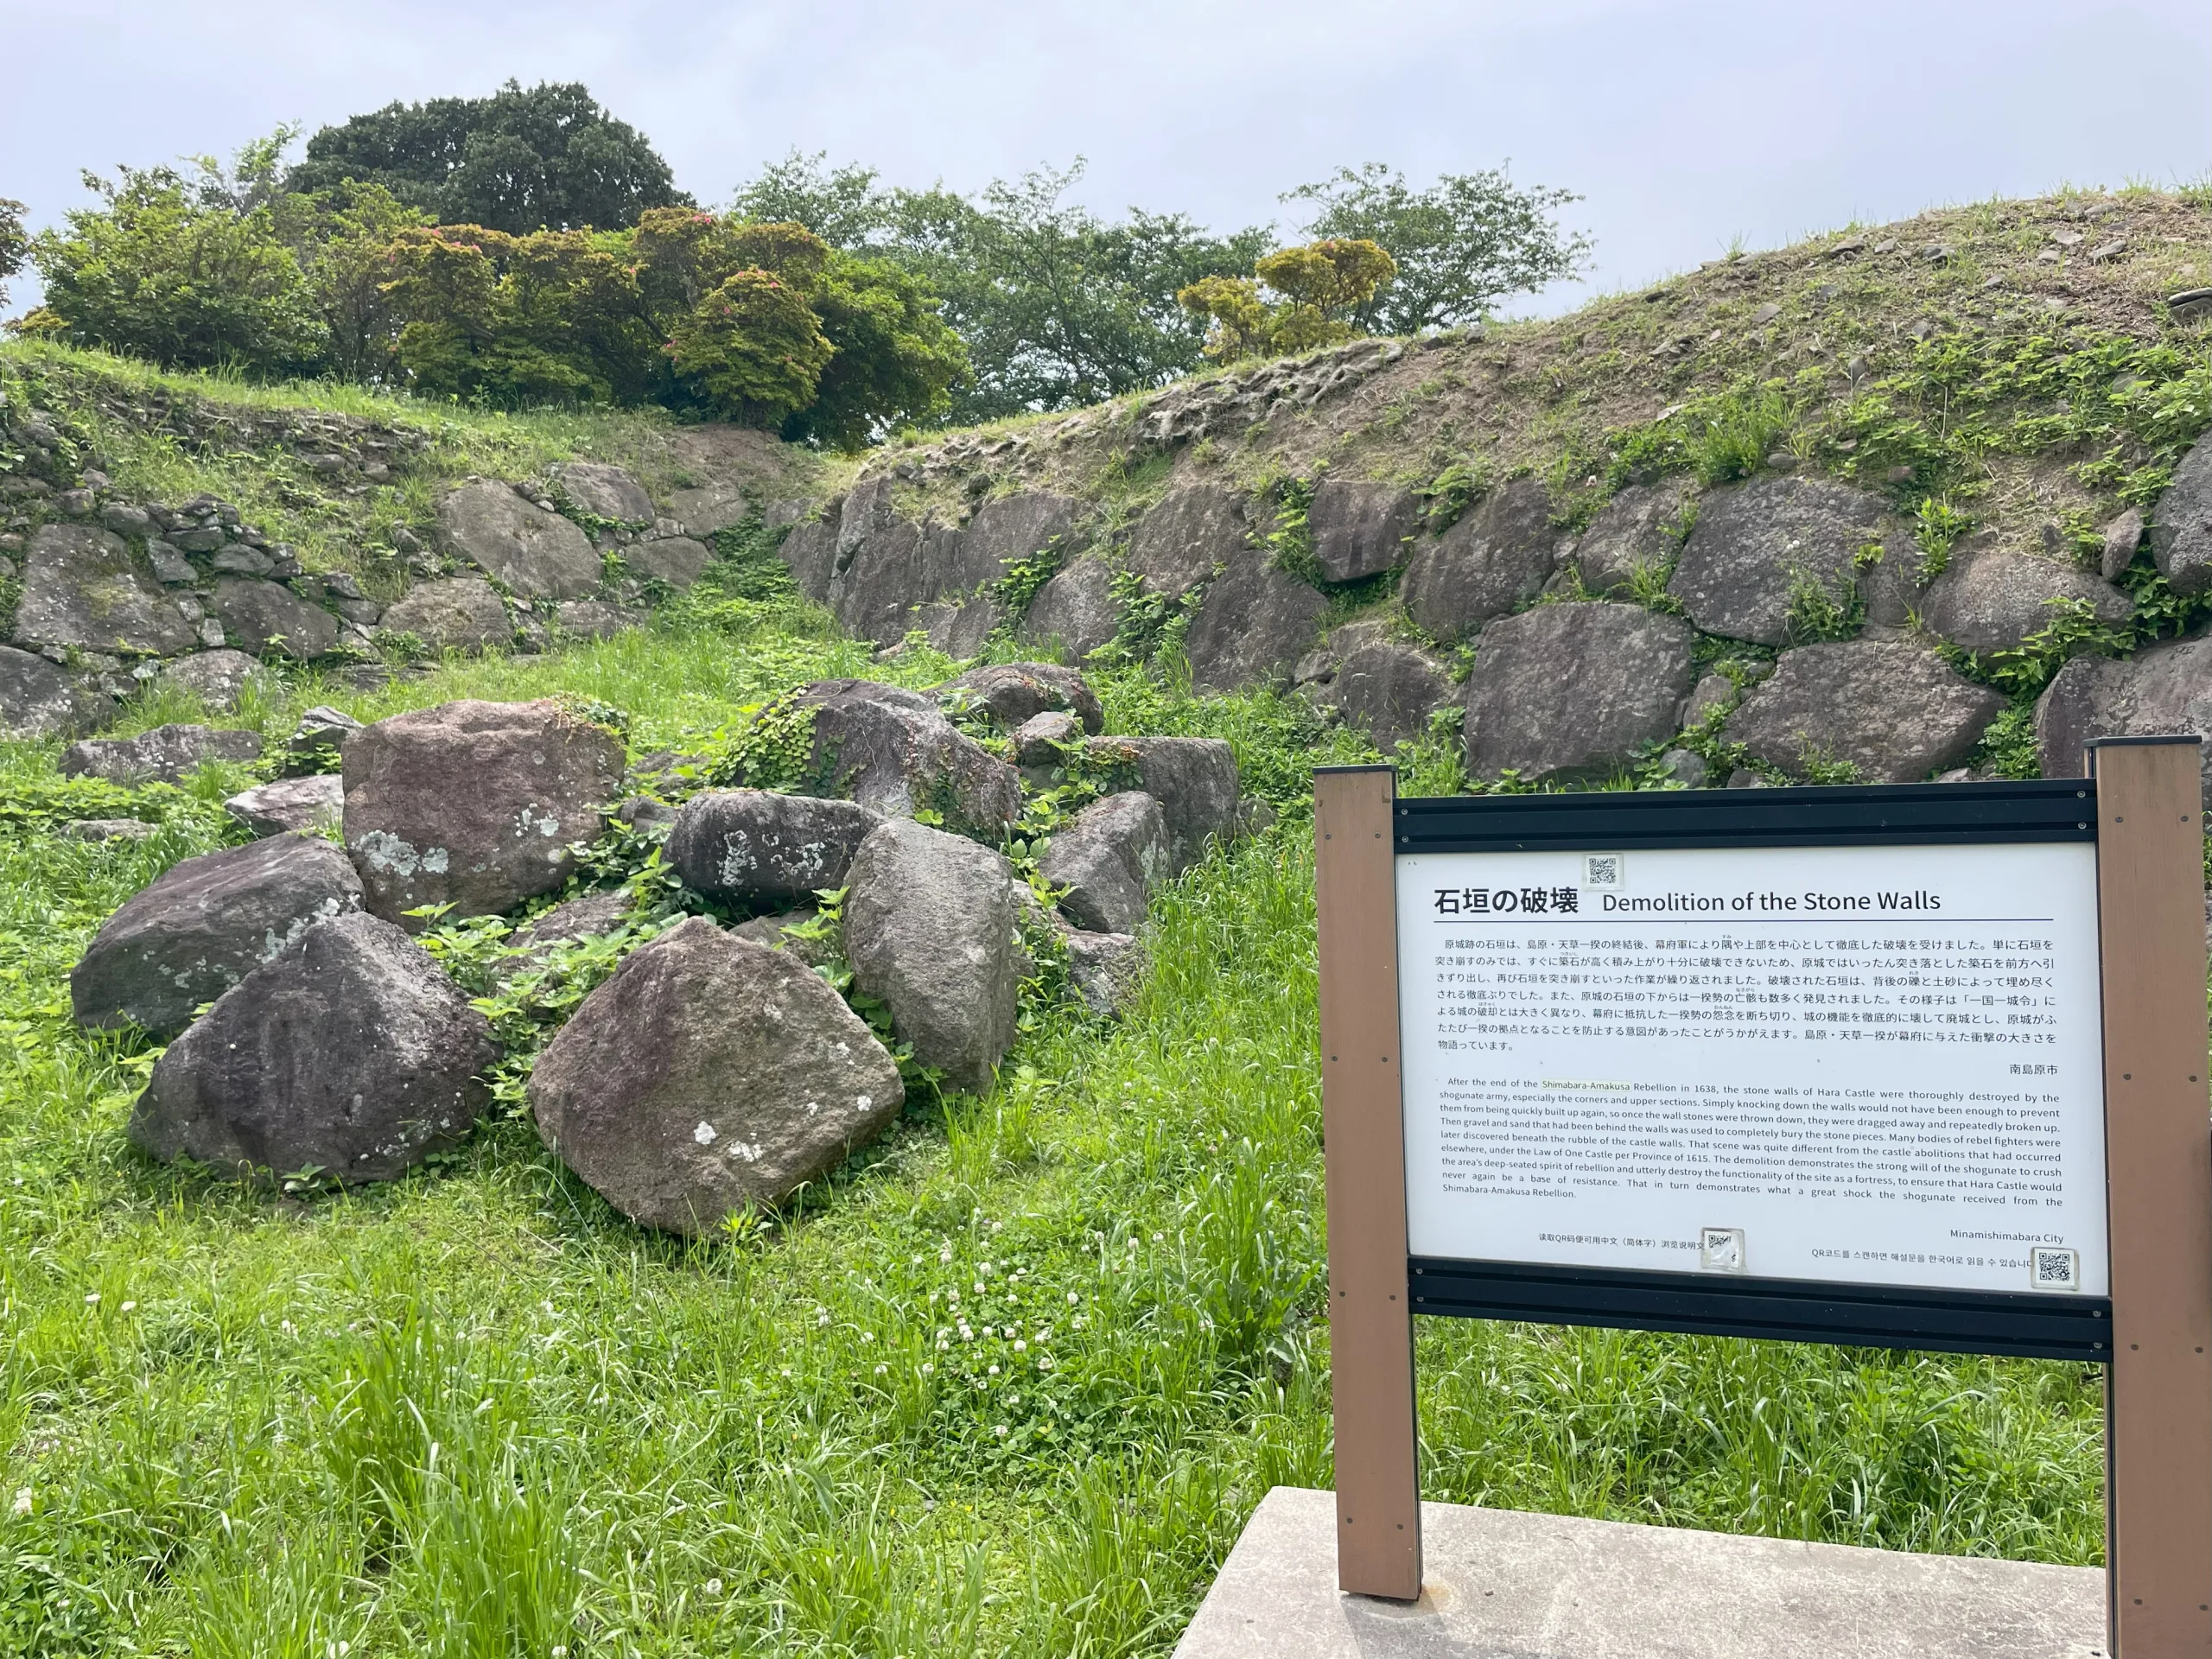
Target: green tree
{"points": [[1323, 285], [343, 240], [756, 346], [547, 157], [15, 242], [1459, 246], [841, 205], [897, 359]]}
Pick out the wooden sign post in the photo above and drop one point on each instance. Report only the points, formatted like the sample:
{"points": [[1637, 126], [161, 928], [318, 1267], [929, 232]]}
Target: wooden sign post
{"points": [[2033, 1252]]}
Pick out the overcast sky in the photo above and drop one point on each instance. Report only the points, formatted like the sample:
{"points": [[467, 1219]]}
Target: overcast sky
{"points": [[1686, 125]]}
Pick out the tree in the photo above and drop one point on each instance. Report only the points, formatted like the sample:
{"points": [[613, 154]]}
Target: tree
{"points": [[519, 160], [343, 241], [840, 206], [897, 359], [1323, 286], [15, 242], [1459, 246], [755, 346]]}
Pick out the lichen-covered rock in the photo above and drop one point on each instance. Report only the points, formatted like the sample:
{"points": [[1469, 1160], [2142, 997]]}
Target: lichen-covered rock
{"points": [[1389, 690], [676, 560], [605, 491], [318, 742], [1111, 858], [1632, 534], [810, 550], [38, 700], [349, 1053], [1106, 969], [1572, 692], [2180, 523], [1193, 779], [929, 932], [895, 753], [1496, 558], [2165, 690], [1075, 612], [203, 925], [81, 589], [310, 804], [168, 754], [762, 850], [1253, 625], [1988, 599], [1894, 712], [1007, 694], [1178, 542], [959, 628], [217, 678], [474, 804], [1755, 543], [1361, 528], [537, 554], [1009, 531], [455, 613], [269, 619], [707, 1075]]}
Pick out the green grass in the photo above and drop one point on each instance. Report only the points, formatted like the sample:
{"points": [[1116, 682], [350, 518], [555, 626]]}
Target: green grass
{"points": [[473, 1413]]}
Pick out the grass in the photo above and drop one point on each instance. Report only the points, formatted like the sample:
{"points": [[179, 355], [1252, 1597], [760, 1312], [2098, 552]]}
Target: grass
{"points": [[475, 1413]]}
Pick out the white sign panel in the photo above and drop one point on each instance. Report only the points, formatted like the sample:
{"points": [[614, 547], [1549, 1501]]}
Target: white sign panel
{"points": [[1868, 1064]]}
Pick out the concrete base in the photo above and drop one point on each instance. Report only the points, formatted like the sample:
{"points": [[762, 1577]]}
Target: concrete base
{"points": [[1503, 1585]]}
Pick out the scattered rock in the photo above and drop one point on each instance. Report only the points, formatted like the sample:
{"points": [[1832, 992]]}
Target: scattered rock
{"points": [[1008, 694], [2121, 538], [349, 1053], [80, 589], [775, 931], [1686, 767], [310, 805], [676, 560], [1571, 691], [1498, 557], [104, 830], [894, 752], [239, 560], [809, 551], [592, 619], [1106, 968], [318, 742], [1744, 778], [1361, 529], [1991, 599], [1041, 739], [753, 847], [537, 554], [2166, 690], [1895, 712], [930, 932], [1630, 535], [567, 922], [1193, 779], [38, 700], [271, 620], [1754, 543], [605, 492], [217, 678], [2181, 523], [1389, 690], [457, 614], [1713, 693], [1111, 858], [165, 755], [710, 1075], [1253, 625], [1178, 542], [204, 925], [474, 804], [171, 567], [1075, 612]]}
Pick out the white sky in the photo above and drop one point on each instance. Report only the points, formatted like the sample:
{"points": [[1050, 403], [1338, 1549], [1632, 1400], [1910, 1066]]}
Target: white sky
{"points": [[1685, 125]]}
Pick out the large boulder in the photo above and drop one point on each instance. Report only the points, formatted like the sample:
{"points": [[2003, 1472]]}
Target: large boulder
{"points": [[1178, 543], [1105, 969], [455, 613], [269, 619], [1572, 692], [2180, 523], [930, 933], [710, 1075], [310, 804], [80, 589], [1496, 559], [1075, 612], [168, 754], [594, 619], [1361, 529], [896, 753], [1630, 534], [676, 560], [1755, 543], [2165, 690], [217, 678], [605, 492], [1988, 599], [203, 925], [474, 804], [1010, 694], [1894, 711], [537, 554], [810, 549], [1253, 625], [1006, 531], [960, 628], [1109, 859], [38, 700], [895, 567], [1193, 779], [1389, 690], [762, 850], [349, 1053]]}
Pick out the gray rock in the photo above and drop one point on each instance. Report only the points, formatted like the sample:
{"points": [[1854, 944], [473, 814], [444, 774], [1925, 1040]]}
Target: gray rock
{"points": [[107, 830], [168, 754], [929, 932], [2121, 538], [2180, 523], [1991, 599], [1107, 970], [2161, 691], [1686, 767], [1753, 543], [271, 620], [536, 554], [1389, 691], [1193, 779], [1894, 711], [204, 925], [217, 678], [574, 920], [1744, 778], [318, 742], [775, 931], [810, 549], [959, 628], [1254, 815], [592, 619], [1010, 693], [171, 567], [349, 1053], [457, 614], [605, 492], [124, 519], [1630, 534], [1008, 531], [895, 567], [1713, 693], [708, 1075], [239, 560], [1253, 625], [80, 589], [762, 850], [676, 560], [310, 805], [895, 753], [1075, 611], [38, 700], [1111, 858], [201, 538], [1572, 692], [1178, 542], [474, 804], [1041, 739], [1496, 559], [1361, 529]]}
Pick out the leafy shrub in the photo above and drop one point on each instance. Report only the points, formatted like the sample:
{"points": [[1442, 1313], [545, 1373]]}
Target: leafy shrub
{"points": [[1322, 287]]}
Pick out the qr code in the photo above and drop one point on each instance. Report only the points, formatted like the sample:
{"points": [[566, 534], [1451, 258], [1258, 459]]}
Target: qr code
{"points": [[1720, 1249], [1605, 870], [2050, 1268]]}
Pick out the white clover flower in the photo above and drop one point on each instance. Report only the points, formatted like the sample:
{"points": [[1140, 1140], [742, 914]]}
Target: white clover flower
{"points": [[952, 1299], [1021, 1347], [1046, 1364], [91, 1299], [1009, 1333], [1074, 1300], [881, 1369], [23, 1500], [867, 1336], [945, 1254], [999, 1429], [288, 1328], [1159, 1238], [929, 1369], [943, 1346], [130, 1308], [994, 1371], [823, 1318], [713, 1587], [1045, 1334]]}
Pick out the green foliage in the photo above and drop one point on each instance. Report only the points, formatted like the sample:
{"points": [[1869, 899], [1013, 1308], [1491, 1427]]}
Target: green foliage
{"points": [[1731, 436], [1457, 248], [2023, 671], [1323, 286], [773, 748], [1820, 610], [1936, 528], [15, 242], [2008, 748], [1290, 544], [755, 345], [1452, 490], [895, 359]]}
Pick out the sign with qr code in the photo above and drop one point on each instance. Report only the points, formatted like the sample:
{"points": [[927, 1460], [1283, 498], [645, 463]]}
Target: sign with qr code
{"points": [[1876, 1065]]}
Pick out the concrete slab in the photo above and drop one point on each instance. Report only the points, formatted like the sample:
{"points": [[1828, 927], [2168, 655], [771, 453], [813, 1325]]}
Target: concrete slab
{"points": [[1503, 1585]]}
